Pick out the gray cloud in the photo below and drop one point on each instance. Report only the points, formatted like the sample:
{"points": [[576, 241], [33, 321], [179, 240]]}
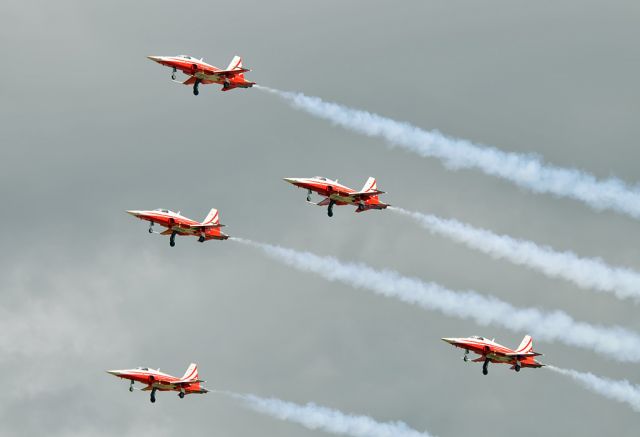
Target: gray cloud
{"points": [[91, 128]]}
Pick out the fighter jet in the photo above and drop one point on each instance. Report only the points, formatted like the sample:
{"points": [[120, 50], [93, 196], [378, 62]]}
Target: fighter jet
{"points": [[177, 224], [155, 380], [490, 351], [200, 72], [337, 194]]}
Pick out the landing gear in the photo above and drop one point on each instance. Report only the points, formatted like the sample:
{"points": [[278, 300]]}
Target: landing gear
{"points": [[195, 87], [485, 366], [173, 74], [181, 395], [360, 207], [330, 209], [131, 386], [308, 195], [517, 366], [201, 239], [465, 357], [151, 228], [172, 239], [153, 395]]}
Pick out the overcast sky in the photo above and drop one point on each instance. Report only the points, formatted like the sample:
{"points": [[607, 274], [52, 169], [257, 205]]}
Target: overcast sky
{"points": [[91, 128]]}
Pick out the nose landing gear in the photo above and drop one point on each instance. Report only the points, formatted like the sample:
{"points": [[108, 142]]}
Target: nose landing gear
{"points": [[465, 357], [308, 195], [173, 74]]}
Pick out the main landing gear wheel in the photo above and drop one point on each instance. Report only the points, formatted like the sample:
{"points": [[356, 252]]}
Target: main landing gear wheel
{"points": [[172, 239], [153, 396], [181, 395], [485, 367], [195, 87], [201, 239], [517, 367], [330, 209]]}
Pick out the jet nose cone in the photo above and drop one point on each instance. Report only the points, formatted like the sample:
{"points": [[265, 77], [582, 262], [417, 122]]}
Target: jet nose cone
{"points": [[133, 213], [449, 340], [114, 372], [291, 180], [155, 58]]}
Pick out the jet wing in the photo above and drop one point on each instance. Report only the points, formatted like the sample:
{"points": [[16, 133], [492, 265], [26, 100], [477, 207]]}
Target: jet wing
{"points": [[227, 73], [364, 194], [199, 226], [525, 354], [187, 382]]}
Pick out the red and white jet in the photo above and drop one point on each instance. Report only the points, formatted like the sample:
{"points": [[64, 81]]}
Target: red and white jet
{"points": [[490, 351], [155, 380], [337, 194], [200, 72], [177, 224]]}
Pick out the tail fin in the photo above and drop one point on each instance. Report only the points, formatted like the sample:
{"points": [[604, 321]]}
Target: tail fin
{"points": [[526, 345], [191, 373], [235, 63], [370, 185], [212, 218]]}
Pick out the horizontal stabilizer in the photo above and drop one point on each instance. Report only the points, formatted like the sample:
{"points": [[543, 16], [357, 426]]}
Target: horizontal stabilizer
{"points": [[323, 202]]}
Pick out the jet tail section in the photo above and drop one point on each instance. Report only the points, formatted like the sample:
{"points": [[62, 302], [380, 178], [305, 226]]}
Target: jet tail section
{"points": [[526, 345], [236, 63], [213, 218], [370, 185], [191, 373]]}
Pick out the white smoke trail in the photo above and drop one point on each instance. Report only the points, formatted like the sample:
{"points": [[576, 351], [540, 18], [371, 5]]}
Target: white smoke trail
{"points": [[618, 390], [525, 170], [316, 417], [586, 273], [614, 342]]}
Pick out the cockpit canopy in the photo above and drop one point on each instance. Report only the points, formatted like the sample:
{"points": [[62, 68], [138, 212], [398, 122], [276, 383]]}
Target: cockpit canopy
{"points": [[185, 57], [166, 211], [321, 178], [146, 369], [477, 337]]}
